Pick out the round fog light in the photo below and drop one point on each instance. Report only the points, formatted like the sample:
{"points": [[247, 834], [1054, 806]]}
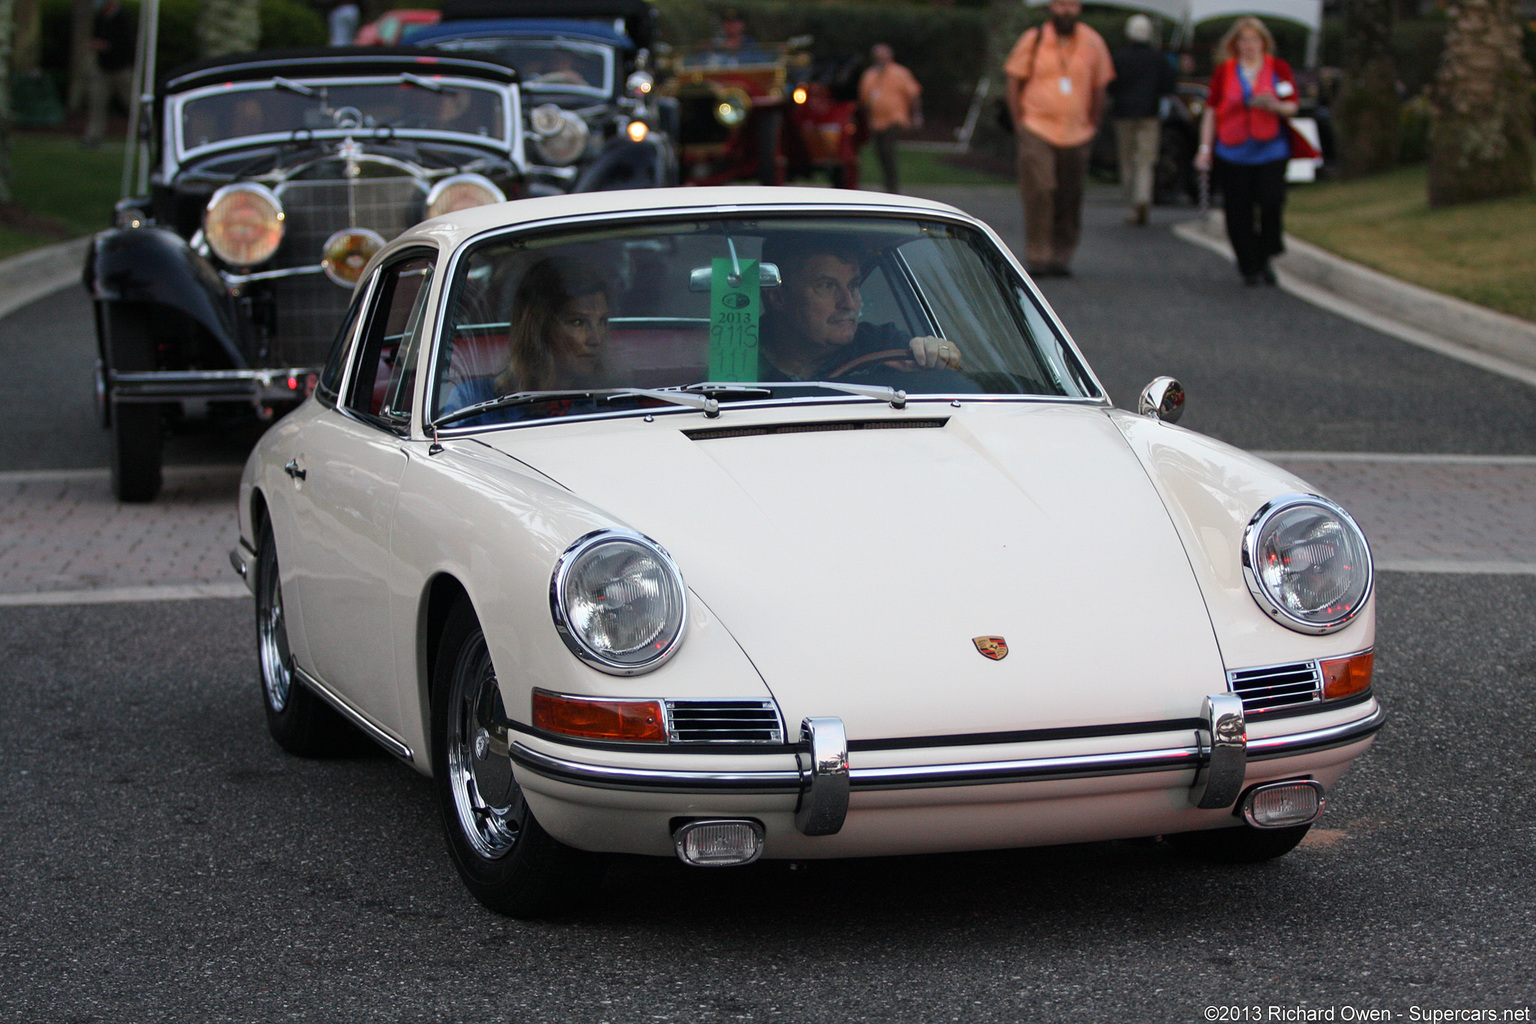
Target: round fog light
{"points": [[718, 844], [347, 252], [1284, 804]]}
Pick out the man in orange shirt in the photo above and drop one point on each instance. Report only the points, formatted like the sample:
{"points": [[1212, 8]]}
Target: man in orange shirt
{"points": [[892, 102], [1057, 76]]}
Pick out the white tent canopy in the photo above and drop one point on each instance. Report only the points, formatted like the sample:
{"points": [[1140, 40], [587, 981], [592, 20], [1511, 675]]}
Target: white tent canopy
{"points": [[1188, 13]]}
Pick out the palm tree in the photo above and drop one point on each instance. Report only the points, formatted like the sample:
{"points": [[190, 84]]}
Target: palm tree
{"points": [[1368, 107], [1480, 143], [7, 26], [228, 26]]}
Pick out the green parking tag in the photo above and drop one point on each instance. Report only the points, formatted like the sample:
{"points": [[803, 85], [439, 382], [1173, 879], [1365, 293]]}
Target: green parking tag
{"points": [[734, 308]]}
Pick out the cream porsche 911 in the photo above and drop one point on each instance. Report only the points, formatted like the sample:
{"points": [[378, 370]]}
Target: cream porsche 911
{"points": [[745, 523]]}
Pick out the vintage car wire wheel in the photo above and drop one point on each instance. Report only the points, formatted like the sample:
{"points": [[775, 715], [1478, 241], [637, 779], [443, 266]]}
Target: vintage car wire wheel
{"points": [[504, 857], [299, 720]]}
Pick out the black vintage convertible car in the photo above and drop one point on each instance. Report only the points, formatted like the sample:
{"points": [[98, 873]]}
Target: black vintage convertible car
{"points": [[272, 178]]}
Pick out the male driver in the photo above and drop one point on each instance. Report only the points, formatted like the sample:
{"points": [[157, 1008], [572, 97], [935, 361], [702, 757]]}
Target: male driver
{"points": [[1057, 75], [811, 325]]}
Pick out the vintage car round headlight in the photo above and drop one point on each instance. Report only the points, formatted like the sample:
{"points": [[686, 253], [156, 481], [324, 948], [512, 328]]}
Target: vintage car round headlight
{"points": [[559, 135], [347, 252], [243, 224], [619, 602], [640, 83], [731, 107], [460, 192], [1306, 563]]}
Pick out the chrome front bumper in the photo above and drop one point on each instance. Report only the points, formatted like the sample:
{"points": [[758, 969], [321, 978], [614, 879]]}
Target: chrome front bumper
{"points": [[1219, 753]]}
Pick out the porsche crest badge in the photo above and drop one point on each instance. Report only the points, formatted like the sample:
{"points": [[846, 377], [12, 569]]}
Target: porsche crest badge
{"points": [[994, 647]]}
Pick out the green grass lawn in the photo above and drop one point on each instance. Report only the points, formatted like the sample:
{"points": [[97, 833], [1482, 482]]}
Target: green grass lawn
{"points": [[1481, 252], [922, 167], [69, 190]]}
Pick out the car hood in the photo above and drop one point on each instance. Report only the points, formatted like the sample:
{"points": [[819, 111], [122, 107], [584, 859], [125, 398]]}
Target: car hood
{"points": [[856, 566]]}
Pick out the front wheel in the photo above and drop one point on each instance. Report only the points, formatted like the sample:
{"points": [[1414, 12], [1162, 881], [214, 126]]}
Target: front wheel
{"points": [[505, 858], [1241, 845], [300, 721]]}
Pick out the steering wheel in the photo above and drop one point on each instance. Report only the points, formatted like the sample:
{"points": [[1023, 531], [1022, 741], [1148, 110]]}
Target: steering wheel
{"points": [[885, 355]]}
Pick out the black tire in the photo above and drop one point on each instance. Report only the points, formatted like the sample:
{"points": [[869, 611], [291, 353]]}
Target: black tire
{"points": [[505, 858], [138, 428], [1241, 845], [300, 721]]}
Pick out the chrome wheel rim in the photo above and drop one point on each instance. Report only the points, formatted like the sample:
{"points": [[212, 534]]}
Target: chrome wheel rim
{"points": [[486, 799], [272, 639]]}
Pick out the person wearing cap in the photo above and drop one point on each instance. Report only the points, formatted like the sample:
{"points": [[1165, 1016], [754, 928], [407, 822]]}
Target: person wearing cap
{"points": [[1143, 76], [1057, 75]]}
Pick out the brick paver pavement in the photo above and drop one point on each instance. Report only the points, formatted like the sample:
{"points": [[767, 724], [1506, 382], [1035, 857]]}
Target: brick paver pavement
{"points": [[64, 539]]}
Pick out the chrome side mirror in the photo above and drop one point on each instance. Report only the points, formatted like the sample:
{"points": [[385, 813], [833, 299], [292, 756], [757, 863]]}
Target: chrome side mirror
{"points": [[1162, 399]]}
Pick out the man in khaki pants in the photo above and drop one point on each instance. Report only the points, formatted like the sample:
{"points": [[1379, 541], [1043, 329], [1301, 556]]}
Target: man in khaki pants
{"points": [[1143, 76], [1057, 74]]}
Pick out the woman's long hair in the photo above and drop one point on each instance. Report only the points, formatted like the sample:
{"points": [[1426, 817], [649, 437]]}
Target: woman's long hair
{"points": [[543, 292], [1227, 48]]}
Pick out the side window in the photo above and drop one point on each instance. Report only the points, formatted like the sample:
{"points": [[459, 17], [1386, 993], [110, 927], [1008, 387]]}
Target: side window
{"points": [[385, 380], [329, 385]]}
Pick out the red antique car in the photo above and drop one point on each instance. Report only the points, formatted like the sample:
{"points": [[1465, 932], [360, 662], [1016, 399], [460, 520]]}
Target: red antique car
{"points": [[765, 112]]}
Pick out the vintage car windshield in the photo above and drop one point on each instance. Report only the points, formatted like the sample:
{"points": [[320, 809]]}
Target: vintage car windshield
{"points": [[561, 324], [282, 106], [547, 65]]}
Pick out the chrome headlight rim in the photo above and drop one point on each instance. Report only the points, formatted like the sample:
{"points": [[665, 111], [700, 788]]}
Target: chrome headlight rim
{"points": [[559, 135], [560, 593], [454, 181], [215, 239], [1253, 537]]}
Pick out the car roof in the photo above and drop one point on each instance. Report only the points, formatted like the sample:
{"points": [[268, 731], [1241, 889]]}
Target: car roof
{"points": [[453, 229], [329, 62], [520, 28]]}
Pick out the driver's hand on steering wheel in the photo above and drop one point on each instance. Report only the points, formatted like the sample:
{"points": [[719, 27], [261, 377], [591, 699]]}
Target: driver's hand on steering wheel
{"points": [[935, 353]]}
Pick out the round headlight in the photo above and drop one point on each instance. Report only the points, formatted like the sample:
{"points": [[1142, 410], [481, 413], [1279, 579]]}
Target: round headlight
{"points": [[347, 252], [640, 83], [559, 135], [243, 224], [731, 107], [619, 602], [1307, 563], [460, 192]]}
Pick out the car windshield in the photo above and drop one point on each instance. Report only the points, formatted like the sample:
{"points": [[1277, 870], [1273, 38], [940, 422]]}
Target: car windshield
{"points": [[734, 309], [282, 106], [547, 65]]}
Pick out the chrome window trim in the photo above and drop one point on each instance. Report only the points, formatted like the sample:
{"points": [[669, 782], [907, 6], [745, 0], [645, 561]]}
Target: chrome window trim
{"points": [[178, 153], [832, 208], [1260, 593]]}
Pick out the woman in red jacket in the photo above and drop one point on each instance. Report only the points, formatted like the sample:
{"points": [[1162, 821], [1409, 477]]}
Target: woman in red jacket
{"points": [[1245, 134]]}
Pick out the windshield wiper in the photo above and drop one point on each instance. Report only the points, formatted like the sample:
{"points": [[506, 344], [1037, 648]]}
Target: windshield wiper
{"points": [[709, 406], [289, 85], [426, 83], [896, 397]]}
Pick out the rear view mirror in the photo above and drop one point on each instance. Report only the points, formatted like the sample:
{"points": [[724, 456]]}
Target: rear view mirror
{"points": [[700, 278]]}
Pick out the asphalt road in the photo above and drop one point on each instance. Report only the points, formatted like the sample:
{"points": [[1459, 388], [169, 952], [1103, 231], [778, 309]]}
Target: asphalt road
{"points": [[162, 860]]}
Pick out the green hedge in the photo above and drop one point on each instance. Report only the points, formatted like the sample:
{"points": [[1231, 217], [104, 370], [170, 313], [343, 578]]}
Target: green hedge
{"points": [[283, 23]]}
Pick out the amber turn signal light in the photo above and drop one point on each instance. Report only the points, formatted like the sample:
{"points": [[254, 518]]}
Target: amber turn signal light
{"points": [[597, 719], [1345, 676]]}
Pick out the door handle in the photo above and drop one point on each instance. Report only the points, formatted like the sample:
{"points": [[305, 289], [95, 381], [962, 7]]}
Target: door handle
{"points": [[294, 470]]}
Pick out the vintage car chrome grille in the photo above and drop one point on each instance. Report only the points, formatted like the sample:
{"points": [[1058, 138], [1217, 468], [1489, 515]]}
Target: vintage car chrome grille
{"points": [[309, 307], [1276, 686], [723, 721]]}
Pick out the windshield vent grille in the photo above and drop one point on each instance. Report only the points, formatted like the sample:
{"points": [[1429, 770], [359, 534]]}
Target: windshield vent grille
{"points": [[719, 433], [723, 721], [1277, 686]]}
